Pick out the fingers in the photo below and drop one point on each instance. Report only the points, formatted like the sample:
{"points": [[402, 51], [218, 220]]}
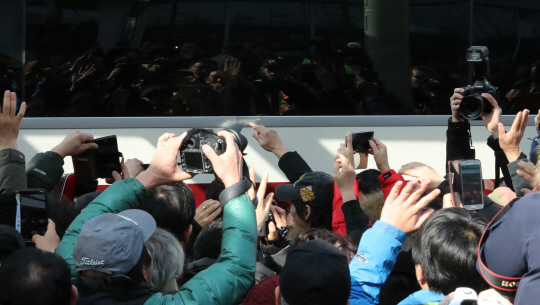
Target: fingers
{"points": [[86, 137], [525, 176], [51, 227], [12, 104], [491, 100], [216, 210], [163, 139], [268, 202], [229, 139], [427, 198], [262, 187], [373, 146], [516, 125], [502, 132], [251, 191], [336, 169], [423, 218], [447, 201], [211, 154], [22, 111], [525, 191], [459, 90], [343, 160], [125, 171], [6, 105], [394, 193], [116, 176], [407, 190], [349, 139], [257, 137]]}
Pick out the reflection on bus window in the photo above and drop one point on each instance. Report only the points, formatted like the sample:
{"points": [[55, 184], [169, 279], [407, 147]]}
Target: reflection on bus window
{"points": [[248, 58]]}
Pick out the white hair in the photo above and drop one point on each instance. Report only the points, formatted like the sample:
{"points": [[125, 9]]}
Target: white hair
{"points": [[168, 258]]}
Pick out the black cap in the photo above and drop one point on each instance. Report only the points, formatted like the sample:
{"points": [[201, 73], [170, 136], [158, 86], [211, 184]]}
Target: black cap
{"points": [[315, 272], [270, 63], [313, 188]]}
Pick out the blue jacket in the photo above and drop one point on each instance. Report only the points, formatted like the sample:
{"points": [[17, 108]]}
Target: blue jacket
{"points": [[375, 259]]}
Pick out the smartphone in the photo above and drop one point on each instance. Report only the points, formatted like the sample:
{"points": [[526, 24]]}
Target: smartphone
{"points": [[472, 187], [26, 211], [100, 163], [360, 141], [33, 213]]}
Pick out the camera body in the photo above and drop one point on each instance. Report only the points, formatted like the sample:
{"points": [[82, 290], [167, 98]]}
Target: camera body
{"points": [[193, 158], [473, 104]]}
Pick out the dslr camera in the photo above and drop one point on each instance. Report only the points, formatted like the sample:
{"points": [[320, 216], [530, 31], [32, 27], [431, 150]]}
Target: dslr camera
{"points": [[473, 104], [192, 157]]}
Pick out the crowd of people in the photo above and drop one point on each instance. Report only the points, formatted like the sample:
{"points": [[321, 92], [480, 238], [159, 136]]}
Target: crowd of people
{"points": [[246, 79], [345, 238]]}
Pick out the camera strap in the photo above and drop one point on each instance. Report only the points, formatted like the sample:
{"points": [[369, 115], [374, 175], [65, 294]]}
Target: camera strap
{"points": [[505, 285], [234, 191], [472, 150]]}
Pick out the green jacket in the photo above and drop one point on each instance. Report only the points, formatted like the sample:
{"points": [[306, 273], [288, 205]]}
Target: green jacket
{"points": [[12, 174], [225, 282]]}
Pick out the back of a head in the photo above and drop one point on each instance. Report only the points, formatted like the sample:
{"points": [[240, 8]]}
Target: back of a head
{"points": [[315, 273], [208, 243], [446, 248], [340, 242], [172, 206], [35, 277], [369, 181], [168, 258], [10, 241], [372, 205]]}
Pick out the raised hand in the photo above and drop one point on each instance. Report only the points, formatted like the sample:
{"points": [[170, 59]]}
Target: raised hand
{"points": [[163, 169], [529, 172], [49, 241], [380, 154], [455, 101], [347, 150], [232, 70], [422, 172], [491, 120], [10, 123], [402, 209], [269, 140], [509, 141], [227, 166], [344, 176], [207, 212], [74, 144]]}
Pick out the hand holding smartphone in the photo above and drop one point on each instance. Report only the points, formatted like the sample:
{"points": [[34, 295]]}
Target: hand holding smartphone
{"points": [[100, 163], [360, 141]]}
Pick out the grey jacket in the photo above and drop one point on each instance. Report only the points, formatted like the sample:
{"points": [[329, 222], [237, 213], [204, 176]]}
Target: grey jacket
{"points": [[12, 171]]}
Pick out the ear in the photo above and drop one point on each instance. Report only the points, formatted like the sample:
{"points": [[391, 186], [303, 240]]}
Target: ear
{"points": [[307, 212], [74, 295], [277, 294], [187, 233], [420, 276]]}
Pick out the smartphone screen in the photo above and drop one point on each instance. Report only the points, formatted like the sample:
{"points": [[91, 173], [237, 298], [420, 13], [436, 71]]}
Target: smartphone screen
{"points": [[360, 141], [108, 158], [33, 215], [471, 184]]}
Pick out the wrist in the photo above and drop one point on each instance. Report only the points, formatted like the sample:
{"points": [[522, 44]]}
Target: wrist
{"points": [[9, 144], [512, 154], [59, 151], [383, 167], [229, 181], [280, 151], [347, 194], [457, 118], [148, 180]]}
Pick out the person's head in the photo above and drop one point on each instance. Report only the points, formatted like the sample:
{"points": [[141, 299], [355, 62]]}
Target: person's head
{"points": [[340, 242], [273, 70], [34, 277], [311, 197], [168, 259], [315, 273], [214, 189], [110, 251], [419, 74], [173, 208], [445, 251], [202, 68], [372, 205], [216, 80], [368, 182], [208, 243], [518, 90], [10, 241]]}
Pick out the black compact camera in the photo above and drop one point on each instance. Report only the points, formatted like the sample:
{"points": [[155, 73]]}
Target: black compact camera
{"points": [[473, 104], [192, 157]]}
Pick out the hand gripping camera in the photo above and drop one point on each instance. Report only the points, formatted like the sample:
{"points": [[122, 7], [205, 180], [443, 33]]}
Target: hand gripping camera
{"points": [[192, 157], [473, 104]]}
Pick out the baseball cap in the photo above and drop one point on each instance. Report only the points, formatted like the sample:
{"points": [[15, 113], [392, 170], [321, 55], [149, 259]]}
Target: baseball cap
{"points": [[313, 188], [315, 272], [113, 243], [270, 63]]}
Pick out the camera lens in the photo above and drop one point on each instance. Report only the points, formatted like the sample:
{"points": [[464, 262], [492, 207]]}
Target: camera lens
{"points": [[471, 106]]}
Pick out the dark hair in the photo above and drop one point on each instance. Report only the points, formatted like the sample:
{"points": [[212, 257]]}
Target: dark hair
{"points": [[214, 189], [368, 181], [62, 213], [446, 248], [33, 276], [208, 243], [206, 61], [172, 206], [321, 216], [338, 241]]}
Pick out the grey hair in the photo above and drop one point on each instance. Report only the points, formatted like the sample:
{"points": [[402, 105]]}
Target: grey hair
{"points": [[168, 258]]}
